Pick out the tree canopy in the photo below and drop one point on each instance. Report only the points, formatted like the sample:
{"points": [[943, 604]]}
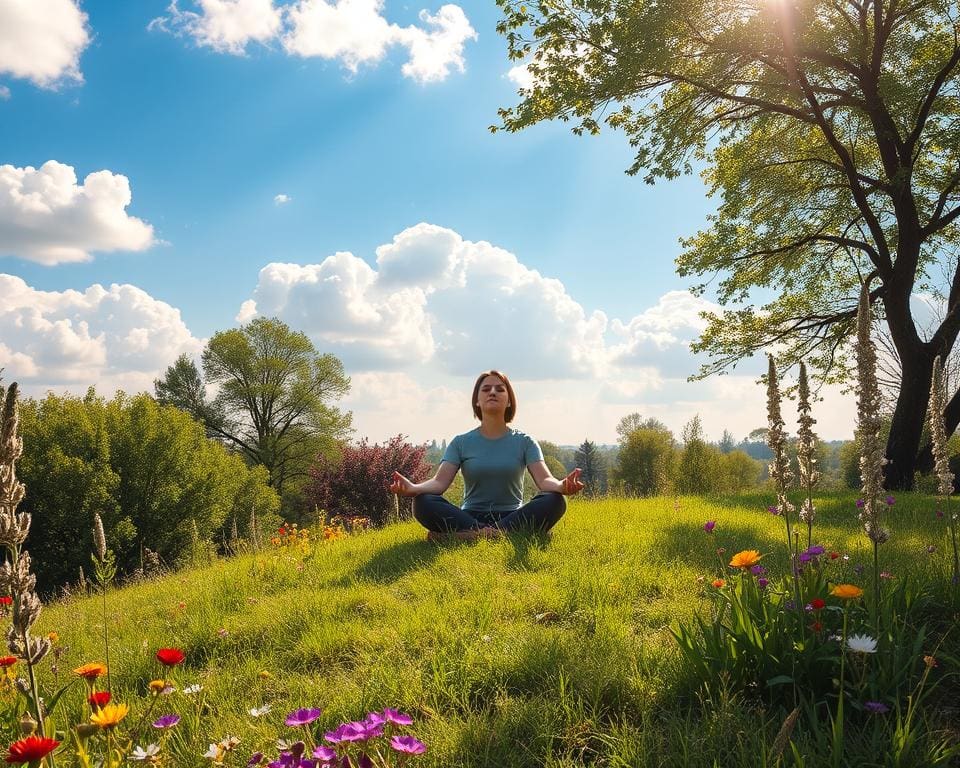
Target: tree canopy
{"points": [[274, 397], [829, 133]]}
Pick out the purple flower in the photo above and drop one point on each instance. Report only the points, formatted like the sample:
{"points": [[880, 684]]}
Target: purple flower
{"points": [[325, 754], [816, 550], [758, 570], [397, 718], [167, 721], [860, 503], [762, 582], [302, 717], [773, 509], [407, 744], [709, 526], [374, 719], [890, 501], [255, 759], [805, 557], [789, 605], [877, 707], [356, 731]]}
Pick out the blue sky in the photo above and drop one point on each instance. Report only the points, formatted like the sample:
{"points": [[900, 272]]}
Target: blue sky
{"points": [[249, 137]]}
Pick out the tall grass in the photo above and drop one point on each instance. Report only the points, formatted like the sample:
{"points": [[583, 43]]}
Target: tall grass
{"points": [[518, 652]]}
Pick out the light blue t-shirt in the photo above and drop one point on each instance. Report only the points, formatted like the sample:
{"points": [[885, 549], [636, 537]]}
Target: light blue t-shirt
{"points": [[492, 469]]}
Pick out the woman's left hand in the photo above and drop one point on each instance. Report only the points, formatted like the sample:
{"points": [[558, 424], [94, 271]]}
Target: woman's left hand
{"points": [[571, 484]]}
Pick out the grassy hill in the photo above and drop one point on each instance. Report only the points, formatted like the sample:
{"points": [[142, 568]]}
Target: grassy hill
{"points": [[517, 652]]}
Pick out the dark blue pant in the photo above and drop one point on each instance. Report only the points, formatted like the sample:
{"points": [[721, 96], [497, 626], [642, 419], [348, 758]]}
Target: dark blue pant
{"points": [[437, 514]]}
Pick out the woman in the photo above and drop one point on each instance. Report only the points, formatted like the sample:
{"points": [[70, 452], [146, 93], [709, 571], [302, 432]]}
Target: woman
{"points": [[492, 458]]}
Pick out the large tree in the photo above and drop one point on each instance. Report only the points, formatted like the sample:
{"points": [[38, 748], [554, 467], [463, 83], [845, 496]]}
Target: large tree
{"points": [[274, 397], [829, 130]]}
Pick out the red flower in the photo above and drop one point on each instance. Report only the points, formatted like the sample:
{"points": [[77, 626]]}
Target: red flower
{"points": [[99, 699], [834, 555], [7, 661], [170, 656], [6, 600], [31, 749], [816, 626], [817, 604], [282, 531]]}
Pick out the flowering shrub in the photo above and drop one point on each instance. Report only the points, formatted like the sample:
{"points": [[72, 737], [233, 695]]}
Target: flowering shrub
{"points": [[358, 483]]}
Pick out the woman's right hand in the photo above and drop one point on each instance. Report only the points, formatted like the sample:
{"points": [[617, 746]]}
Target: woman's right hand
{"points": [[401, 485]]}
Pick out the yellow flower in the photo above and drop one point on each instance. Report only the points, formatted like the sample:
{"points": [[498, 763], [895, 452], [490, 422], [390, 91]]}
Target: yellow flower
{"points": [[846, 591], [53, 637], [91, 671], [157, 686], [746, 559], [108, 716], [264, 675]]}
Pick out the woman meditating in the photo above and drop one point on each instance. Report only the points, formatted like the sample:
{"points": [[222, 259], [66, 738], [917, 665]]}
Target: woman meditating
{"points": [[492, 458]]}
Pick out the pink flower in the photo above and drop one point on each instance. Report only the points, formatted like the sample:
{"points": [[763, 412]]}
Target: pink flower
{"points": [[408, 745], [709, 526]]}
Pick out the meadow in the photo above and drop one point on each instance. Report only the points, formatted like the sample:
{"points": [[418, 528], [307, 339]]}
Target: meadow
{"points": [[524, 651]]}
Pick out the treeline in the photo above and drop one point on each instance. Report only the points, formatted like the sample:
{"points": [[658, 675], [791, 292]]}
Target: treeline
{"points": [[159, 484]]}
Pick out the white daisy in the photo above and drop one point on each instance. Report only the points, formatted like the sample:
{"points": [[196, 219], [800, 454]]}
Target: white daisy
{"points": [[862, 644], [259, 711], [146, 754], [192, 689]]}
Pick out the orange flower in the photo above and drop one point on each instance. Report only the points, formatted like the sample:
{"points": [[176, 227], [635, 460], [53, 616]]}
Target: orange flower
{"points": [[718, 583], [745, 559], [847, 591], [91, 671]]}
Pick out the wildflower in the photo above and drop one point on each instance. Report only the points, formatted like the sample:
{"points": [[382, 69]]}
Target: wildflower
{"points": [[773, 509], [890, 500], [146, 754], [817, 604], [6, 600], [860, 503], [31, 749], [762, 582], [816, 626], [215, 753], [53, 637], [806, 449], [709, 526], [834, 555], [170, 657], [858, 569], [165, 722], [398, 718], [222, 632], [157, 686], [325, 754], [99, 699], [302, 717], [758, 570], [930, 661], [190, 690], [721, 551], [718, 583], [255, 759], [91, 671], [886, 575], [260, 711], [847, 591], [264, 675], [109, 716], [408, 745], [939, 514], [745, 559], [862, 644], [815, 551], [876, 707], [7, 661]]}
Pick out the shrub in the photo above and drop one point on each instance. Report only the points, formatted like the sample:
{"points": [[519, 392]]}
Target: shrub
{"points": [[357, 485]]}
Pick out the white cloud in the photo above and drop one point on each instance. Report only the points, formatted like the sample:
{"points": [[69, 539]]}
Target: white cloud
{"points": [[41, 40], [353, 32], [227, 26], [521, 76], [4, 93], [45, 216], [116, 337], [281, 199]]}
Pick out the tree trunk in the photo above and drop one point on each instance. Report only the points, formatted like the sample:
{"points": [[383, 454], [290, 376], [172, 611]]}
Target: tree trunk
{"points": [[907, 425]]}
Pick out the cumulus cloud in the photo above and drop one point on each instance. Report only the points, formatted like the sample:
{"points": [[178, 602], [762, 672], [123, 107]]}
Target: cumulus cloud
{"points": [[45, 216], [116, 337], [41, 40], [227, 26], [521, 76], [281, 199], [353, 32]]}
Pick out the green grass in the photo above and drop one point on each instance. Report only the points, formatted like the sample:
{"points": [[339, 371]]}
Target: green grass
{"points": [[518, 652]]}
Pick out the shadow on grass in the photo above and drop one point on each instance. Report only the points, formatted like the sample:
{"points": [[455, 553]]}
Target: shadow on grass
{"points": [[524, 543], [704, 551], [393, 562]]}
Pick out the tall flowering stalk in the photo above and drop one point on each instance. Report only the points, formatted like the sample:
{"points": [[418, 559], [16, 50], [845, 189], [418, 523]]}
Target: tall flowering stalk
{"points": [[16, 578], [780, 470], [104, 569], [872, 458], [806, 453], [938, 437]]}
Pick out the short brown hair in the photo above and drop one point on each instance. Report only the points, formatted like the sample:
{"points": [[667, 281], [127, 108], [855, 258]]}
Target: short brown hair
{"points": [[511, 408]]}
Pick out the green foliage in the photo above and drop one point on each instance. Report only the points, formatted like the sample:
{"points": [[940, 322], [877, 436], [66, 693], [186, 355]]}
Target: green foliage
{"points": [[645, 463], [594, 474], [149, 470]]}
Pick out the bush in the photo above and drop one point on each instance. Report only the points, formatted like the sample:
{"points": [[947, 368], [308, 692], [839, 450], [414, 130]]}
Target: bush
{"points": [[357, 485]]}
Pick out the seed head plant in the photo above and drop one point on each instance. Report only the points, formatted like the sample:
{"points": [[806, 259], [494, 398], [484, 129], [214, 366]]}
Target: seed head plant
{"points": [[806, 453], [938, 438]]}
